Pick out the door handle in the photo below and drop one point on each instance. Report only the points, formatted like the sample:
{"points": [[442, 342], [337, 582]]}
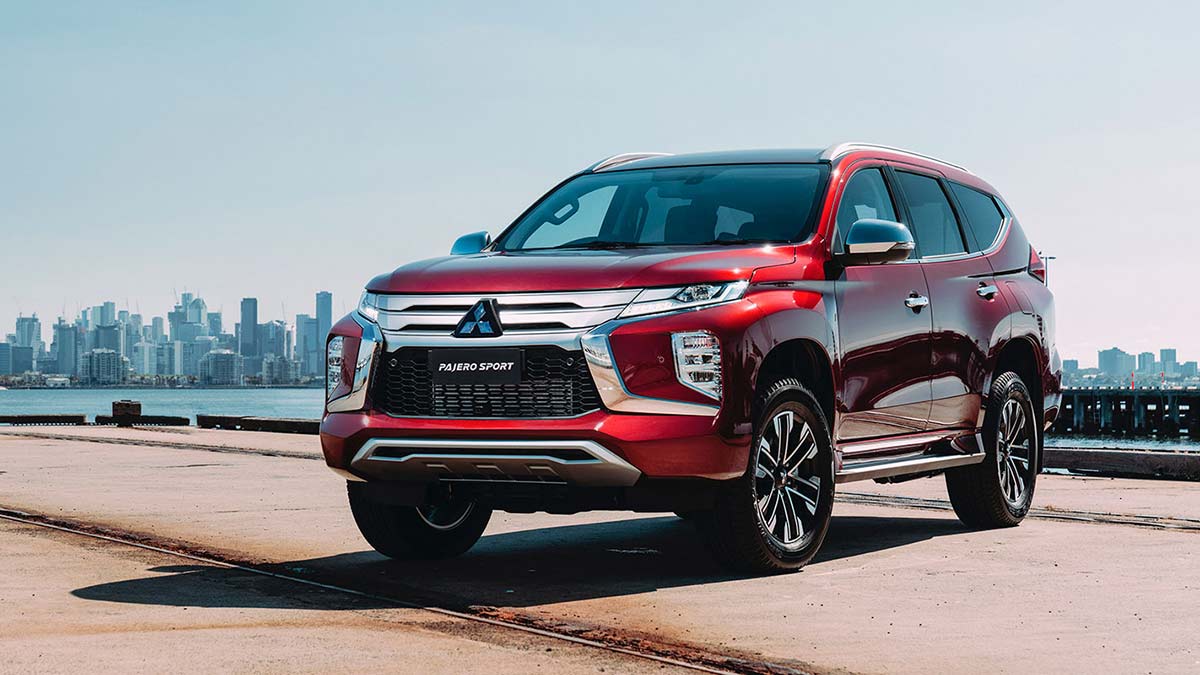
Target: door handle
{"points": [[915, 302], [987, 291]]}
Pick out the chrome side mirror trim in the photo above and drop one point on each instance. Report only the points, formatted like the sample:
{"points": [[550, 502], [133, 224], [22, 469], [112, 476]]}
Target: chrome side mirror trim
{"points": [[871, 241]]}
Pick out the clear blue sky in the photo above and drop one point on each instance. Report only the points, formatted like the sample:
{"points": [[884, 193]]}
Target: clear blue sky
{"points": [[276, 149]]}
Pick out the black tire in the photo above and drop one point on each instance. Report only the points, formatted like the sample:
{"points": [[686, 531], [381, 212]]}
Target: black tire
{"points": [[409, 533], [736, 531], [982, 494]]}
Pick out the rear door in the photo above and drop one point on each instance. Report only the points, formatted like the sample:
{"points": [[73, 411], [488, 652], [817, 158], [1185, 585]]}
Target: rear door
{"points": [[885, 345], [966, 308]]}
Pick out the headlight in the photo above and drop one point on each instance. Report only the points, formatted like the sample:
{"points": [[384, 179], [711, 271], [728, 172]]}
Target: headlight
{"points": [[333, 365], [698, 361], [368, 306], [656, 300]]}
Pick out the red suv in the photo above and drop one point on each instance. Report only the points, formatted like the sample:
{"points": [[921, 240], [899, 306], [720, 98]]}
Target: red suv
{"points": [[722, 335]]}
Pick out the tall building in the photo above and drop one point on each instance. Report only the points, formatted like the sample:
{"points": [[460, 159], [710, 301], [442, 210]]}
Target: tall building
{"points": [[1169, 365], [324, 314], [197, 311], [275, 338], [66, 348], [145, 358], [1117, 363], [214, 324], [248, 328], [308, 346], [221, 367], [103, 367], [158, 329], [22, 360], [6, 358], [108, 313], [29, 332], [1145, 362], [110, 337]]}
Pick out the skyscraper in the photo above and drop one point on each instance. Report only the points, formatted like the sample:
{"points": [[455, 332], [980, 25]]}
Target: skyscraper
{"points": [[66, 348], [1169, 365], [108, 314], [29, 332], [324, 315], [214, 324], [308, 346], [1145, 362], [248, 328], [1117, 363]]}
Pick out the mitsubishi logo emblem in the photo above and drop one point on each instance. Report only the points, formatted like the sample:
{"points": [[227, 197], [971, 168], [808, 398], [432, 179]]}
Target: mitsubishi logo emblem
{"points": [[481, 321]]}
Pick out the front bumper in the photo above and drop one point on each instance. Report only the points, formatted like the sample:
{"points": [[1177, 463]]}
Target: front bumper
{"points": [[650, 426]]}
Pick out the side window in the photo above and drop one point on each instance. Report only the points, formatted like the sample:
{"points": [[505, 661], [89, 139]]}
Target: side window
{"points": [[866, 196], [933, 223], [982, 214]]}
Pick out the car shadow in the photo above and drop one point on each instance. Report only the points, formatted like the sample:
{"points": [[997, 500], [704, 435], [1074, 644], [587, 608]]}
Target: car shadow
{"points": [[513, 569]]}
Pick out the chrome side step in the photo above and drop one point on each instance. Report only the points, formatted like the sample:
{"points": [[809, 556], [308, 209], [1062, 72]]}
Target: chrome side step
{"points": [[906, 464]]}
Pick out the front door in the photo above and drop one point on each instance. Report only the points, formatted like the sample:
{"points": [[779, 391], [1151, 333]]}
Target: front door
{"points": [[883, 328]]}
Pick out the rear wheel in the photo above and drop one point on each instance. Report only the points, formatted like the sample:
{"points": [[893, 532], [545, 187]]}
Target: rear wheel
{"points": [[774, 518], [439, 530], [999, 491]]}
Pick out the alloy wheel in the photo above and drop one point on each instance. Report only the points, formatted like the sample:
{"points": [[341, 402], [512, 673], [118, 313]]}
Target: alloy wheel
{"points": [[1014, 452], [787, 485]]}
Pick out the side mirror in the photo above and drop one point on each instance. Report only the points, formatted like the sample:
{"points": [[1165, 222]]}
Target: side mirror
{"points": [[471, 243], [872, 242]]}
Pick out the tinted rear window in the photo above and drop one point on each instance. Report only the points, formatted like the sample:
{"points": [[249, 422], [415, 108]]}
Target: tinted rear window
{"points": [[983, 216], [933, 223]]}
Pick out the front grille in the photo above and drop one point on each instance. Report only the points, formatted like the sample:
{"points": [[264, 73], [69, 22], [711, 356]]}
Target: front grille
{"points": [[555, 383]]}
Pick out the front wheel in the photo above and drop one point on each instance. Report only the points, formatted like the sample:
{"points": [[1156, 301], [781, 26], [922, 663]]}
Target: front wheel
{"points": [[999, 491], [441, 530], [774, 518]]}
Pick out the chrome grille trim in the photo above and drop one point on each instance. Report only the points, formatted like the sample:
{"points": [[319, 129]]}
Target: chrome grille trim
{"points": [[526, 313]]}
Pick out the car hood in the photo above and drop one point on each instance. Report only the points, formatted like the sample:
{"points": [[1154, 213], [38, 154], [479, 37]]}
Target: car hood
{"points": [[577, 270]]}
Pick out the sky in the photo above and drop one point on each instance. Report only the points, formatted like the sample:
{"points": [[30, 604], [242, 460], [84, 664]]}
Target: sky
{"points": [[274, 149]]}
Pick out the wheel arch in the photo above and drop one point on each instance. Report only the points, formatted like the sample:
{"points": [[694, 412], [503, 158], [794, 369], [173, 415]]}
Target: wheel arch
{"points": [[805, 359], [1022, 356]]}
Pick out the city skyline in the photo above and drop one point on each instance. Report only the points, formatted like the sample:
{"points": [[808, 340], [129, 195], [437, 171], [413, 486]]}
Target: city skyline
{"points": [[256, 155], [104, 345]]}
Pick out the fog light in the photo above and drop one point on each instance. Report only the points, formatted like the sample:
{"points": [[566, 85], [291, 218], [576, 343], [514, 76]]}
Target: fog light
{"points": [[698, 361], [333, 365]]}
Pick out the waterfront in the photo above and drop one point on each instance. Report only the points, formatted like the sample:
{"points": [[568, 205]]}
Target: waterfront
{"points": [[306, 403], [303, 403]]}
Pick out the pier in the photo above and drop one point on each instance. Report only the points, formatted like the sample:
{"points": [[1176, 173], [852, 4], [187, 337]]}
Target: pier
{"points": [[1135, 412], [127, 547]]}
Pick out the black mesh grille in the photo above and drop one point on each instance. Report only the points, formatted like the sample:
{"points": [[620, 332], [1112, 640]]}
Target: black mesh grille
{"points": [[555, 383]]}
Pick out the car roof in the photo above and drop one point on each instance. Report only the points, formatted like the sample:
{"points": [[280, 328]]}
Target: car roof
{"points": [[656, 160], [839, 154]]}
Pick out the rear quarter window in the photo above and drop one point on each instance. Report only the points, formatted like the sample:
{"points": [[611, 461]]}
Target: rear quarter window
{"points": [[983, 216]]}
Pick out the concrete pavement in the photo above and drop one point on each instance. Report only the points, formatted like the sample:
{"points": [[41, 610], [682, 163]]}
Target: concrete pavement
{"points": [[894, 590]]}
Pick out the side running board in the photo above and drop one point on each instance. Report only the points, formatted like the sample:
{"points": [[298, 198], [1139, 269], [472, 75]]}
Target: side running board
{"points": [[868, 469]]}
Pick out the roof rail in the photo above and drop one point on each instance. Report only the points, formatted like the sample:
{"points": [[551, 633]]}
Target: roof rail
{"points": [[623, 158], [835, 151]]}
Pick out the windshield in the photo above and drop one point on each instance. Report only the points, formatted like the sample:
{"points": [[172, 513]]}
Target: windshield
{"points": [[696, 205]]}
